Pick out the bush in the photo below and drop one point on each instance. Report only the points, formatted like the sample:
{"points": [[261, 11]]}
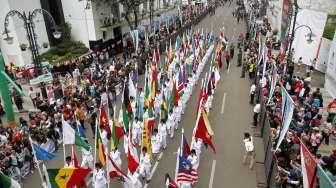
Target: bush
{"points": [[66, 49]]}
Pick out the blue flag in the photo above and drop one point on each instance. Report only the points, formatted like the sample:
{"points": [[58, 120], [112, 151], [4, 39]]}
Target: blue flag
{"points": [[42, 154], [185, 165]]}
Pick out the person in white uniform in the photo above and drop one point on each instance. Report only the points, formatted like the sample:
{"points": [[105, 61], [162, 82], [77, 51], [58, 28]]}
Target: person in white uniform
{"points": [[133, 180], [115, 156], [99, 177], [171, 124], [87, 158], [196, 144], [156, 143], [178, 112], [193, 159], [136, 131], [145, 164], [163, 133]]}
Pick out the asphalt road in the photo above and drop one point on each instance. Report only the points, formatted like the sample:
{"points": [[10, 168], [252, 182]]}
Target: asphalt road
{"points": [[230, 117]]}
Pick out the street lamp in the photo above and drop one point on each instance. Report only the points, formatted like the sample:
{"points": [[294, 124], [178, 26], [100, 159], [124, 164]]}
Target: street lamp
{"points": [[31, 36], [309, 35]]}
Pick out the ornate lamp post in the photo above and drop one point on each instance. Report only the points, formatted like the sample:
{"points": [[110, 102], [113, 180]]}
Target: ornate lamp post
{"points": [[29, 25]]}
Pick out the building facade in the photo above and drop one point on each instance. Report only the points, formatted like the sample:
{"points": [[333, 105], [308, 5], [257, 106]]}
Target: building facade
{"points": [[96, 23], [12, 52]]}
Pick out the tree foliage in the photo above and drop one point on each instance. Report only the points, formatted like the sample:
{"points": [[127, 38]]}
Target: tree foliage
{"points": [[131, 9]]}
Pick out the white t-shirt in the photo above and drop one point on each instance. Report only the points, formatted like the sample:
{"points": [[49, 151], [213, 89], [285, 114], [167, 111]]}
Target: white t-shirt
{"points": [[253, 88], [248, 143], [257, 108]]}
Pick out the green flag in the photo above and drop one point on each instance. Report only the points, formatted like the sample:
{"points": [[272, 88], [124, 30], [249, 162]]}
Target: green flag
{"points": [[8, 182], [125, 118], [324, 179]]}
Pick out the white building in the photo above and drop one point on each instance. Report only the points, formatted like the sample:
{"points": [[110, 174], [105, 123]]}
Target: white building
{"points": [[12, 52], [95, 23]]}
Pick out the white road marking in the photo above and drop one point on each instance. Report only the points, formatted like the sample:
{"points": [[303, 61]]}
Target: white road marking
{"points": [[154, 168], [213, 168], [223, 103]]}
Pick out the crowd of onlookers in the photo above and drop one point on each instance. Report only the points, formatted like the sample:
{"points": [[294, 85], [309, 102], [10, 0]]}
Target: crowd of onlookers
{"points": [[308, 124]]}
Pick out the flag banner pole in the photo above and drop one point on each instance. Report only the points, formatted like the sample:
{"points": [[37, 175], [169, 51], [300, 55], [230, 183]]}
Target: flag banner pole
{"points": [[35, 159], [177, 162]]}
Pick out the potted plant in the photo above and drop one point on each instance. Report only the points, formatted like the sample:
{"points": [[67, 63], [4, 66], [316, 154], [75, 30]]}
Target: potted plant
{"points": [[23, 46], [45, 45]]}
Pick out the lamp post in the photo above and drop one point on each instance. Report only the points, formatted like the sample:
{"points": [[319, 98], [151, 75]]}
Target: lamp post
{"points": [[28, 20]]}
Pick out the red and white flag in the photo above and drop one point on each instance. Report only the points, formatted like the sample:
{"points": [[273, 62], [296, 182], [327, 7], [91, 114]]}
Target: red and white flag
{"points": [[308, 164]]}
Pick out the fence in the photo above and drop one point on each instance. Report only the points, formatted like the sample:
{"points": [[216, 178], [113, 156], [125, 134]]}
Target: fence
{"points": [[270, 164]]}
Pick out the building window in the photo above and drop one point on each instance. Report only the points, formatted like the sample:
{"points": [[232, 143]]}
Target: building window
{"points": [[104, 35]]}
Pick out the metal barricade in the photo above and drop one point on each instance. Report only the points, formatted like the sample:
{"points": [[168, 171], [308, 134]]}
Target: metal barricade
{"points": [[270, 164]]}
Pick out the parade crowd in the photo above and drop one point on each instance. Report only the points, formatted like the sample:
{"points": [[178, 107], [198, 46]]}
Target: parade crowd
{"points": [[308, 129]]}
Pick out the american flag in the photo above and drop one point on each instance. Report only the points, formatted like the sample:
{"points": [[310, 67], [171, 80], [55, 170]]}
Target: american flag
{"points": [[185, 171]]}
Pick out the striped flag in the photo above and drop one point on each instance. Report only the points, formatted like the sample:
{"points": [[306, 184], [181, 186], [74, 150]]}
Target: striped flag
{"points": [[185, 171]]}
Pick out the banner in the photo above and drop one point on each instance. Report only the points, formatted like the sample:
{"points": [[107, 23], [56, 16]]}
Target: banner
{"points": [[274, 78], [324, 180], [287, 114], [308, 165]]}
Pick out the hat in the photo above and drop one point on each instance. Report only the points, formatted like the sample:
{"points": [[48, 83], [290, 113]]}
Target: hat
{"points": [[316, 129]]}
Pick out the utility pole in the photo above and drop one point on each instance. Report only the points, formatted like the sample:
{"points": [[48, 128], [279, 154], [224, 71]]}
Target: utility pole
{"points": [[296, 9]]}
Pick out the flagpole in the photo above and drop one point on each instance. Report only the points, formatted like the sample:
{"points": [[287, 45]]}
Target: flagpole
{"points": [[35, 159], [95, 141], [63, 121], [177, 162]]}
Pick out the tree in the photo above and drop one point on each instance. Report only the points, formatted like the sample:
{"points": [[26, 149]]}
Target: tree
{"points": [[132, 8]]}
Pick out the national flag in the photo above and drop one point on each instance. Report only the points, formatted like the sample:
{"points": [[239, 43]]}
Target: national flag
{"points": [[185, 147], [156, 56], [151, 119], [203, 129], [201, 99], [67, 177], [146, 136], [113, 170], [287, 114], [117, 133], [125, 118], [147, 92], [178, 44], [164, 108], [185, 171], [42, 154], [80, 130], [154, 82], [170, 182], [175, 95], [101, 150], [71, 137], [324, 178], [104, 122], [308, 165], [8, 182], [132, 158], [180, 82]]}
